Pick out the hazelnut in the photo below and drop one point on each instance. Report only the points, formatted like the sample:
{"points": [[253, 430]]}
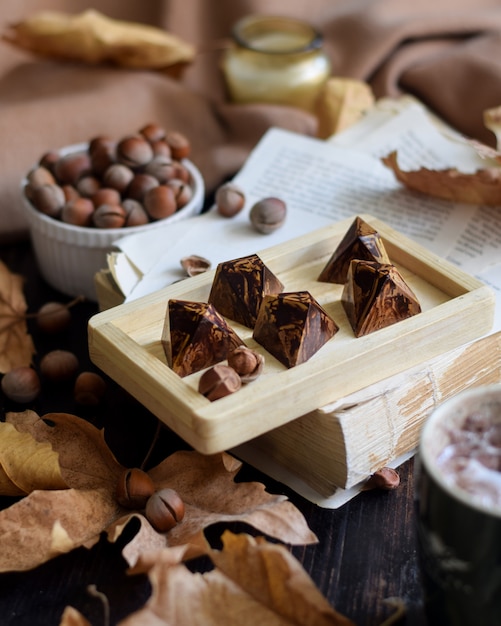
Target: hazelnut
{"points": [[88, 185], [161, 167], [102, 152], [181, 172], [268, 215], [78, 212], [118, 176], [21, 384], [59, 365], [89, 389], [109, 216], [70, 193], [106, 195], [161, 148], [164, 509], [219, 381], [140, 185], [49, 160], [183, 193], [385, 478], [71, 167], [53, 317], [39, 176], [230, 199], [48, 199], [247, 363], [160, 202], [135, 215], [134, 151], [134, 487], [153, 132], [179, 144]]}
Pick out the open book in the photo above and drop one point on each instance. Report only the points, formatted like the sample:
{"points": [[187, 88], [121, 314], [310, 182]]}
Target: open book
{"points": [[325, 455]]}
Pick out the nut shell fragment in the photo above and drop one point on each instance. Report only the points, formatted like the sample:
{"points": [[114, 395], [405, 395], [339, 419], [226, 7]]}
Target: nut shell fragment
{"points": [[194, 264], [246, 362], [219, 381]]}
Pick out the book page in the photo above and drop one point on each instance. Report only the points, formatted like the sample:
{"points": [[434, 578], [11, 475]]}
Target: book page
{"points": [[323, 182]]}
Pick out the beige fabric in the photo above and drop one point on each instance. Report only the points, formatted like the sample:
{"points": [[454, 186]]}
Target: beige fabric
{"points": [[446, 52]]}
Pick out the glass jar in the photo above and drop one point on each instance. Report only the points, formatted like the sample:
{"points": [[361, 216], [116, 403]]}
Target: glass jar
{"points": [[277, 60]]}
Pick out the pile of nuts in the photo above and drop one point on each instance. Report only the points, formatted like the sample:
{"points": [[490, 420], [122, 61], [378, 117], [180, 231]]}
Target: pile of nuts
{"points": [[23, 384], [111, 184], [220, 380], [163, 508]]}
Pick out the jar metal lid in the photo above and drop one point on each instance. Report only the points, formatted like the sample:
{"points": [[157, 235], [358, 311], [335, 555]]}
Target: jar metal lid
{"points": [[249, 31]]}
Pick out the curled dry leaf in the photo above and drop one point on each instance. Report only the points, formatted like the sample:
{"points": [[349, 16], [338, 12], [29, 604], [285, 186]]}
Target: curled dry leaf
{"points": [[481, 187], [91, 37], [16, 345], [53, 519], [492, 121], [272, 588], [341, 103]]}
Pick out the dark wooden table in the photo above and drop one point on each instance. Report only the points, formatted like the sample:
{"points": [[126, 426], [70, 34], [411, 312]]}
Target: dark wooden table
{"points": [[366, 551]]}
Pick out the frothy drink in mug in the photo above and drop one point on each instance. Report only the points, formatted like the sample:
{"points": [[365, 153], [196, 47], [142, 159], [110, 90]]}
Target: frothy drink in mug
{"points": [[471, 460], [459, 509]]}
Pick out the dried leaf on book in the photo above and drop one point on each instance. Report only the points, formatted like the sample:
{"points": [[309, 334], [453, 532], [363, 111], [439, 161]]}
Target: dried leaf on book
{"points": [[481, 187], [91, 37], [74, 499]]}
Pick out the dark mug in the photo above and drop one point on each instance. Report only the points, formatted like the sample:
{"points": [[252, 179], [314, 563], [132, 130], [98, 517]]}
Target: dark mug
{"points": [[459, 509]]}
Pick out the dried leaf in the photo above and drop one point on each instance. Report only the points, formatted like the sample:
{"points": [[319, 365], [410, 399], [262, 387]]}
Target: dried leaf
{"points": [[91, 37], [492, 121], [271, 589], [16, 345], [46, 523], [341, 103], [72, 617], [210, 493], [482, 187], [26, 463]]}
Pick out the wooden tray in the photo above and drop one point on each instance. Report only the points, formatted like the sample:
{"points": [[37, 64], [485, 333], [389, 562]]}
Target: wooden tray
{"points": [[125, 342]]}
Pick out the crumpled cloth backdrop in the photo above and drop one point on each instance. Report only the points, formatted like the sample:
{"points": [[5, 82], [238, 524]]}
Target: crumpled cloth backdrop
{"points": [[447, 53]]}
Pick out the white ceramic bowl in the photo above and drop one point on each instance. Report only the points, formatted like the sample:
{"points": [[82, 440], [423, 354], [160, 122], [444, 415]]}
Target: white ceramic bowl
{"points": [[70, 256]]}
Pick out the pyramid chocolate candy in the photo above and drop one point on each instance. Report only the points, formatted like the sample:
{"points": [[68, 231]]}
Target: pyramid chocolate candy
{"points": [[361, 241], [239, 286], [293, 327], [375, 296], [196, 336]]}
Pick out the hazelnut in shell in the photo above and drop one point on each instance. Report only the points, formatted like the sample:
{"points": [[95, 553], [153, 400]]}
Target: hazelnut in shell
{"points": [[230, 199], [247, 363], [59, 365], [21, 384], [89, 389], [134, 487], [164, 509], [268, 214]]}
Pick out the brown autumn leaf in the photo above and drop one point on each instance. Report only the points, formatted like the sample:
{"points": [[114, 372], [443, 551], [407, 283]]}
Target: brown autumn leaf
{"points": [[481, 187], [16, 345], [272, 588], [51, 521], [91, 37]]}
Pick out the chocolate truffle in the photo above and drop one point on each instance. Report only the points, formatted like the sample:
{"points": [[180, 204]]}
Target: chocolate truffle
{"points": [[239, 286], [196, 336], [361, 241], [293, 327], [375, 296]]}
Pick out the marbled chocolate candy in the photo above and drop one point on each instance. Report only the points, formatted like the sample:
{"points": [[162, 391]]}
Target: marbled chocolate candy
{"points": [[196, 336], [361, 241], [239, 286], [293, 326], [375, 296]]}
